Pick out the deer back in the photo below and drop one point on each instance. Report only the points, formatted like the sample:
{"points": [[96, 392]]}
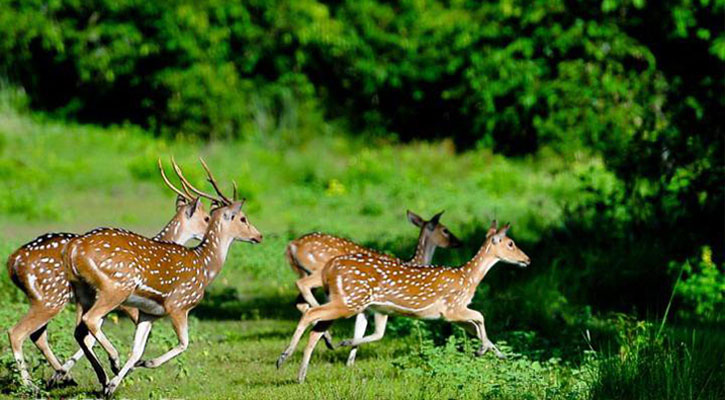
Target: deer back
{"points": [[312, 251], [390, 286], [128, 261]]}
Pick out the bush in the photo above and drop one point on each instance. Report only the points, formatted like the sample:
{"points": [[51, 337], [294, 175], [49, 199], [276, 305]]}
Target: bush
{"points": [[701, 287]]}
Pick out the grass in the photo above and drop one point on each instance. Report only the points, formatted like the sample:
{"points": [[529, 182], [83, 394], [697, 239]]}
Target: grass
{"points": [[685, 364], [64, 176]]}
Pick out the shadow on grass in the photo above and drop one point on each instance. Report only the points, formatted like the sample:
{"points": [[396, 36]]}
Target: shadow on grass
{"points": [[228, 304]]}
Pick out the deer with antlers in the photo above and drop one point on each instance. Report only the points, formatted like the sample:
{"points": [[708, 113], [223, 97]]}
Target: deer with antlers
{"points": [[111, 267], [308, 255], [36, 268], [357, 282]]}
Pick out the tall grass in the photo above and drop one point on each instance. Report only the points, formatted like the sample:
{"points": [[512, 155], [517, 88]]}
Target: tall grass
{"points": [[684, 363]]}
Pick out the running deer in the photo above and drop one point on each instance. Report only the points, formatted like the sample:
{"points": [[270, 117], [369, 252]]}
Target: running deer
{"points": [[308, 254], [110, 267], [36, 269], [357, 282]]}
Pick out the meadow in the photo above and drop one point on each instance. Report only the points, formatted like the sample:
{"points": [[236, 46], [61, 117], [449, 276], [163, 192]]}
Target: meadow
{"points": [[62, 176]]}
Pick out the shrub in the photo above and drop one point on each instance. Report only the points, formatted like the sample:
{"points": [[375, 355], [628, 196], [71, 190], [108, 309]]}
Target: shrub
{"points": [[701, 287]]}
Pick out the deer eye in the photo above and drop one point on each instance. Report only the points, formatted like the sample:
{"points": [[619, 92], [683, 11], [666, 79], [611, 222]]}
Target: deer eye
{"points": [[511, 245], [243, 220], [445, 231], [206, 219]]}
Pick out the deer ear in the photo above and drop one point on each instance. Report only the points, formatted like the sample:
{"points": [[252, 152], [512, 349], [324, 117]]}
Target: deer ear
{"points": [[180, 201], [191, 209], [435, 220], [492, 229], [505, 229], [415, 219]]}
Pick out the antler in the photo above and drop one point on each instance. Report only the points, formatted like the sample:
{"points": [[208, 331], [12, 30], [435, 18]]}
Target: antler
{"points": [[213, 182], [184, 194], [186, 189], [234, 195], [185, 182]]}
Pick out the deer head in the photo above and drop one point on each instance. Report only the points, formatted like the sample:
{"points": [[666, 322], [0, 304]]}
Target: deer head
{"points": [[234, 223], [228, 215], [436, 232], [504, 247]]}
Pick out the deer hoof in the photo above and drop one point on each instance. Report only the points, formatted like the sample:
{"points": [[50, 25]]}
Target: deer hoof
{"points": [[281, 359], [143, 364], [328, 340], [345, 343], [115, 365], [110, 388], [61, 378]]}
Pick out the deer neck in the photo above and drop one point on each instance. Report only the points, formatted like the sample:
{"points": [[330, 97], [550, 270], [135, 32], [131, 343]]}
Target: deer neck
{"points": [[424, 250], [213, 249], [173, 232], [477, 268]]}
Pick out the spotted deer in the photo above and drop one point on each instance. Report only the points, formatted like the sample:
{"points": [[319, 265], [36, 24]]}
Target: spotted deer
{"points": [[308, 254], [110, 267], [358, 282], [36, 269]]}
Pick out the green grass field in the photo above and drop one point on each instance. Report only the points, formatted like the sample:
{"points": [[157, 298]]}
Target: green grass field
{"points": [[65, 177]]}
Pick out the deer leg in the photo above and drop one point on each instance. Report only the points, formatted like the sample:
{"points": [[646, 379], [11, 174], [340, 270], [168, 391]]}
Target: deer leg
{"points": [[132, 313], [85, 295], [305, 286], [63, 374], [106, 301], [381, 321], [143, 328], [329, 311], [86, 342], [361, 323], [180, 322], [36, 318], [40, 338], [315, 336], [475, 318], [486, 344]]}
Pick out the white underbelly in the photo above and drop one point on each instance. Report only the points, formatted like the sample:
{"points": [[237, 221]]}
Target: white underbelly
{"points": [[148, 306], [426, 312]]}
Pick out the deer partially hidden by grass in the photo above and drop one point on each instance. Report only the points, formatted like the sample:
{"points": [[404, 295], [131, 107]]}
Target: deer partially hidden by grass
{"points": [[358, 282], [111, 267], [308, 255], [36, 268]]}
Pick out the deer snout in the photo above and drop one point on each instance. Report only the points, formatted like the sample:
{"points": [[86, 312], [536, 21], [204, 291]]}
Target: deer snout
{"points": [[257, 239]]}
